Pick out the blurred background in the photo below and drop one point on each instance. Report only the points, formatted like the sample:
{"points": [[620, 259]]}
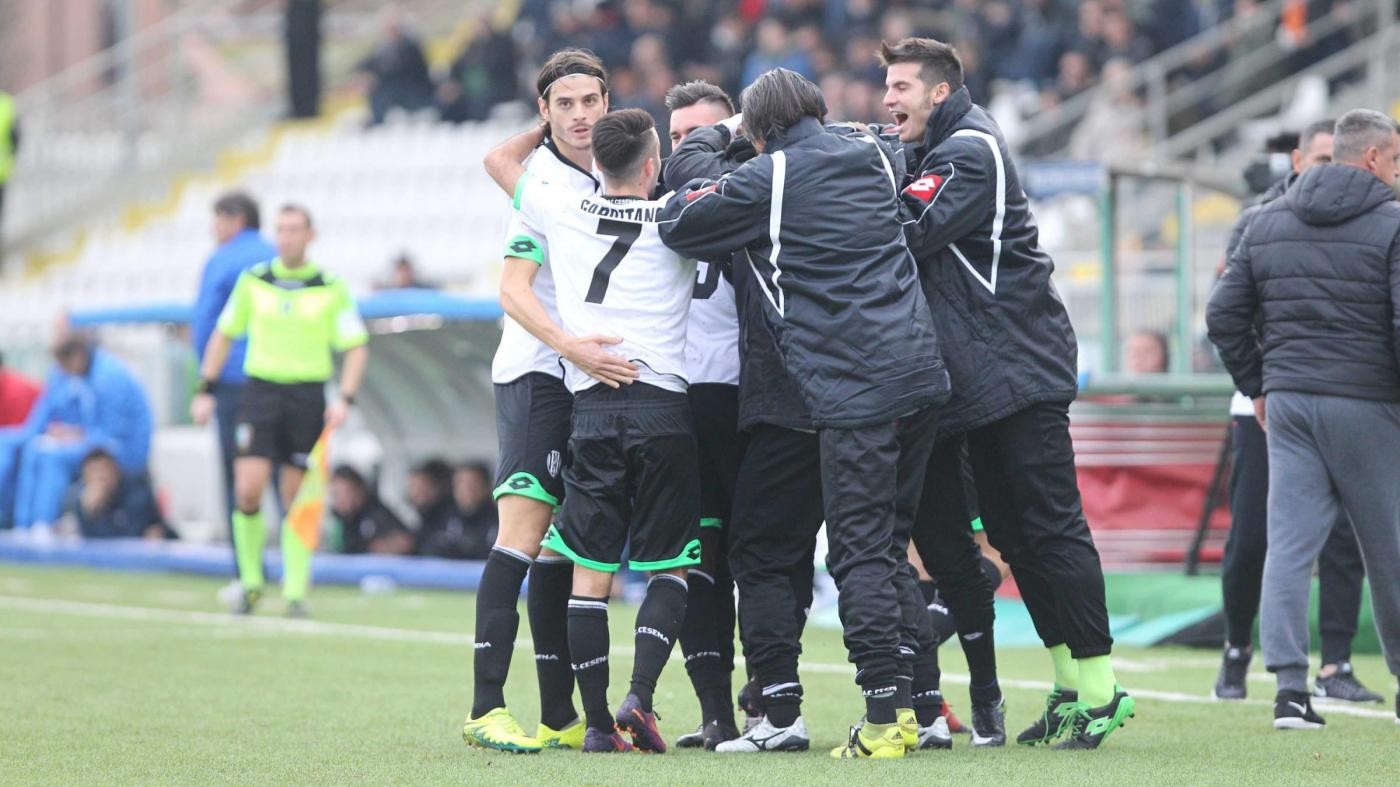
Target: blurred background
{"points": [[1134, 124]]}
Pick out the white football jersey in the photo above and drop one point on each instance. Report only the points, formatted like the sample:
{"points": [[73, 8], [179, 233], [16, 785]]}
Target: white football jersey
{"points": [[519, 352], [615, 277], [712, 339]]}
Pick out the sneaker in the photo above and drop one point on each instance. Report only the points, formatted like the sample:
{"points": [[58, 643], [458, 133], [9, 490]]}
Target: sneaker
{"points": [[297, 610], [247, 601], [1051, 722], [765, 737], [872, 741], [570, 737], [936, 735], [641, 725], [1293, 711], [692, 740], [497, 729], [1343, 685], [908, 723], [604, 742], [1234, 666], [1089, 727], [955, 724], [717, 732], [989, 724]]}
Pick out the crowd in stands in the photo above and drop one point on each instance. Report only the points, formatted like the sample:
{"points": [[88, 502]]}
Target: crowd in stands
{"points": [[1039, 53]]}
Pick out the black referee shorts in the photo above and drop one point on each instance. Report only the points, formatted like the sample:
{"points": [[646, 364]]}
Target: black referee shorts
{"points": [[532, 426], [632, 482], [280, 422]]}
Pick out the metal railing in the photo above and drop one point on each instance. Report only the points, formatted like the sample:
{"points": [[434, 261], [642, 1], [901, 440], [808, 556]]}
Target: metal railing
{"points": [[1177, 86], [121, 124]]}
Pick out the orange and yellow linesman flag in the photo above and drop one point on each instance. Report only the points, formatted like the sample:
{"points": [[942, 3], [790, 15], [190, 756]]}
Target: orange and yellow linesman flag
{"points": [[308, 510], [301, 530]]}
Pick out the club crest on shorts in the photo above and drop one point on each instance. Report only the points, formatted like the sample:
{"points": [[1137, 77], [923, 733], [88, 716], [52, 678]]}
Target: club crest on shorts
{"points": [[243, 437], [552, 462]]}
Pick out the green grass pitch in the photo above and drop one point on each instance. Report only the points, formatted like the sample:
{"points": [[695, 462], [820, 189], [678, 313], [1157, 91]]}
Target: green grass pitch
{"points": [[111, 678]]}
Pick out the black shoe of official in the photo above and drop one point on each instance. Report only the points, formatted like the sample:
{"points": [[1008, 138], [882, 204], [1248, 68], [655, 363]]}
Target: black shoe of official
{"points": [[1052, 719], [247, 602], [297, 610], [989, 723], [1343, 685], [1293, 710], [1234, 667], [719, 731], [692, 740]]}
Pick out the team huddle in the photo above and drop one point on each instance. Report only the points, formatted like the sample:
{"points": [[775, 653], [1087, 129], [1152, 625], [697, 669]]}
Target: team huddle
{"points": [[787, 323]]}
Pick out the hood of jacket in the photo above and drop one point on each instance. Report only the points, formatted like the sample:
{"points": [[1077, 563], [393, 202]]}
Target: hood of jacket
{"points": [[1330, 194]]}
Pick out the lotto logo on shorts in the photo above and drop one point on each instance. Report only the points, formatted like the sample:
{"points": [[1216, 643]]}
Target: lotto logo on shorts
{"points": [[243, 437], [552, 464]]}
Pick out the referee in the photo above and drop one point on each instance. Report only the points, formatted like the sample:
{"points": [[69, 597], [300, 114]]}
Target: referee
{"points": [[294, 316]]}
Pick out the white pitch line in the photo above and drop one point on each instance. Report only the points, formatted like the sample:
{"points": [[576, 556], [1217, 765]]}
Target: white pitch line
{"points": [[389, 634]]}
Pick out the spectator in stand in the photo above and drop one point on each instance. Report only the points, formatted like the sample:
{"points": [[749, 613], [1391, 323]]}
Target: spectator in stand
{"points": [[1146, 352], [1113, 126], [107, 503], [1121, 39], [471, 491], [240, 246], [363, 524], [17, 395], [773, 48], [1076, 75], [441, 530], [1087, 37], [404, 276], [397, 71], [481, 77], [90, 400]]}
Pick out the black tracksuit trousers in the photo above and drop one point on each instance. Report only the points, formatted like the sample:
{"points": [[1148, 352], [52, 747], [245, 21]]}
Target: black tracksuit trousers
{"points": [[1023, 467]]}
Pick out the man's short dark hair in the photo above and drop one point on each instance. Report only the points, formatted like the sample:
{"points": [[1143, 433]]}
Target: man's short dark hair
{"points": [[437, 471], [777, 100], [567, 62], [938, 62], [477, 466], [300, 210], [621, 142], [688, 94], [72, 344], [242, 205], [1359, 130], [98, 455], [1315, 129], [350, 474]]}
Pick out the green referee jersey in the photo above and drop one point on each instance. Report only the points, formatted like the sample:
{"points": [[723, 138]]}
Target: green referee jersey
{"points": [[294, 319]]}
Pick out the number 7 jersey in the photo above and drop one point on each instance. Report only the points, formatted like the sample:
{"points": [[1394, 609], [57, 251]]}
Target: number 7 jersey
{"points": [[614, 277]]}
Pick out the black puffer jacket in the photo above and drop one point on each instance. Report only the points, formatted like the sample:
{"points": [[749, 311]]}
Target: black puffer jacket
{"points": [[767, 393], [1310, 301], [817, 219], [1247, 215], [1005, 333]]}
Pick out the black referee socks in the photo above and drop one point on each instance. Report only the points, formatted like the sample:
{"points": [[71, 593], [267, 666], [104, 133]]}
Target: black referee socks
{"points": [[547, 603], [497, 622], [588, 647], [658, 624]]}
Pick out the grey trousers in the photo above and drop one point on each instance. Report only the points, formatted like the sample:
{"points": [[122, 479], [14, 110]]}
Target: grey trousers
{"points": [[1328, 455]]}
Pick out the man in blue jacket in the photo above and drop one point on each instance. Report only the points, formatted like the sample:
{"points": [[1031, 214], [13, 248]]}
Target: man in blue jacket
{"points": [[236, 224], [90, 401]]}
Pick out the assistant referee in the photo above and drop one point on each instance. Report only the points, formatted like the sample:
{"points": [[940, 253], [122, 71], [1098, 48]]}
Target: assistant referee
{"points": [[295, 316]]}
